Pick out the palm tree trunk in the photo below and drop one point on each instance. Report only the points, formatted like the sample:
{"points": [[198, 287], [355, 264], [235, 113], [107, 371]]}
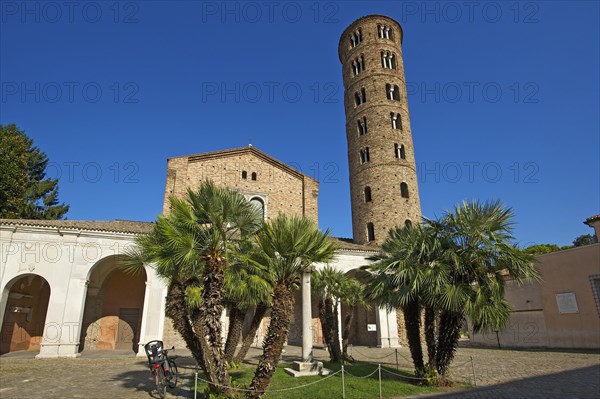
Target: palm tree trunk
{"points": [[413, 334], [281, 313], [449, 333], [210, 311], [331, 322], [259, 314], [430, 336], [234, 333], [176, 309], [346, 333]]}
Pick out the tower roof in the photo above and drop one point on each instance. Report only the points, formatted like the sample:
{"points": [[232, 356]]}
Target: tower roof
{"points": [[366, 18]]}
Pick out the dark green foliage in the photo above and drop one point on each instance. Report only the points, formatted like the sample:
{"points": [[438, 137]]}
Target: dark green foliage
{"points": [[25, 192], [585, 239]]}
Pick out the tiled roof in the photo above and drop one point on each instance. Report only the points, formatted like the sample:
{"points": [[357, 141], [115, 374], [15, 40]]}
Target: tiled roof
{"points": [[592, 219], [134, 227], [115, 226]]}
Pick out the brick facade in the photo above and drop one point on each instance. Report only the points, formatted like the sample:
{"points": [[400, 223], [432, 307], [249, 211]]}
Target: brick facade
{"points": [[281, 188]]}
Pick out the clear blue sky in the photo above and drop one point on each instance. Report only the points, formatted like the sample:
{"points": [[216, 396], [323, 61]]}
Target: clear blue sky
{"points": [[504, 99]]}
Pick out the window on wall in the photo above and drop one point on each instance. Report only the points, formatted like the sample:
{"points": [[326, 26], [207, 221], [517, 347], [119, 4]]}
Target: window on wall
{"points": [[385, 32], [407, 223], [362, 126], [368, 194], [388, 60], [360, 97], [259, 204], [355, 38], [358, 65], [404, 190], [396, 121], [364, 155], [392, 92], [253, 176], [370, 232], [244, 174], [399, 151]]}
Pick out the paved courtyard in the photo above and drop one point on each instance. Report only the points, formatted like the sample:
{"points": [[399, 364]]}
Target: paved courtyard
{"points": [[499, 373]]}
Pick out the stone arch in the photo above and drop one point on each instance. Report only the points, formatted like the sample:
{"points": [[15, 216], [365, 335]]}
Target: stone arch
{"points": [[25, 302], [114, 303], [362, 317]]}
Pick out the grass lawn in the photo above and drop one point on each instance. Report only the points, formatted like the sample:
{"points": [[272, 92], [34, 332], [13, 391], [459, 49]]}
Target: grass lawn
{"points": [[331, 388]]}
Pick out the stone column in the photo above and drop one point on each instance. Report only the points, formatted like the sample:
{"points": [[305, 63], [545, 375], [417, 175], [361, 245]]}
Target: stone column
{"points": [[307, 338]]}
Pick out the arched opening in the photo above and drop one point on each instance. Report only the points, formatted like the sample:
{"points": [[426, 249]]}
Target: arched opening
{"points": [[259, 204], [359, 322], [370, 232], [408, 223], [114, 303], [25, 314], [404, 190], [368, 194]]}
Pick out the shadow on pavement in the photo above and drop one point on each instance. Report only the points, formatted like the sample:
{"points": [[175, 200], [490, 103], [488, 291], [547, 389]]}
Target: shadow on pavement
{"points": [[583, 383]]}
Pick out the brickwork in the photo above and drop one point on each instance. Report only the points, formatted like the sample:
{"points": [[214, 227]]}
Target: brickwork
{"points": [[385, 170], [281, 188]]}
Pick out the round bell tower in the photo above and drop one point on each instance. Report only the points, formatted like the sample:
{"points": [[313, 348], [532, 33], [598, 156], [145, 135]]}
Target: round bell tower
{"points": [[383, 178]]}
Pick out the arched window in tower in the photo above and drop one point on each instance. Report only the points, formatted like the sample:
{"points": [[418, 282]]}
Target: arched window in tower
{"points": [[368, 197], [253, 176], [362, 126], [408, 223], [392, 92], [364, 155], [358, 65], [384, 32], [404, 190], [370, 232], [388, 60], [259, 204], [355, 38], [396, 121], [399, 151], [360, 97], [244, 174]]}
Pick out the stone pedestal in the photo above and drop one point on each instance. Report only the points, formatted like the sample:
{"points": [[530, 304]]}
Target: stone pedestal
{"points": [[302, 369]]}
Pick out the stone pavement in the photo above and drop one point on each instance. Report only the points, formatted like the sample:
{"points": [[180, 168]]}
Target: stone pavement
{"points": [[499, 373]]}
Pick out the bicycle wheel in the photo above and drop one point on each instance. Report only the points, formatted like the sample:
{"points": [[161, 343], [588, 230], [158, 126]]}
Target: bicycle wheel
{"points": [[161, 382], [172, 374]]}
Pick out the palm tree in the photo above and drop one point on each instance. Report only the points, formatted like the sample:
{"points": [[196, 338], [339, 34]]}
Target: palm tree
{"points": [[192, 245], [329, 283], [404, 276], [288, 246], [353, 295], [479, 257], [247, 286]]}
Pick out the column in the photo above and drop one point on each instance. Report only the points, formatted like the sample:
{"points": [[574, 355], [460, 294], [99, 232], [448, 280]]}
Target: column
{"points": [[307, 338]]}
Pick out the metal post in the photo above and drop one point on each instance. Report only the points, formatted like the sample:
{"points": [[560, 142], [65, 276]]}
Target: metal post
{"points": [[343, 385], [473, 368], [380, 382], [196, 386], [397, 365]]}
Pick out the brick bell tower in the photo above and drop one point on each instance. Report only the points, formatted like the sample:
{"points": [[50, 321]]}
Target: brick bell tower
{"points": [[383, 178]]}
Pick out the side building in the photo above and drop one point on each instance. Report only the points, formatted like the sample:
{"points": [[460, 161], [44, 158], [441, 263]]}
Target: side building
{"points": [[560, 311]]}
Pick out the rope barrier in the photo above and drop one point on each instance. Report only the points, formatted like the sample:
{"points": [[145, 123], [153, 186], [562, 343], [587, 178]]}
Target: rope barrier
{"points": [[356, 376], [374, 358], [271, 390]]}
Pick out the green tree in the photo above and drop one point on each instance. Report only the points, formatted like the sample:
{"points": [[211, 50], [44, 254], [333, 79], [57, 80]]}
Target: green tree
{"points": [[539, 249], [585, 239], [192, 246], [353, 295], [248, 288], [25, 192], [458, 266], [287, 245], [328, 284]]}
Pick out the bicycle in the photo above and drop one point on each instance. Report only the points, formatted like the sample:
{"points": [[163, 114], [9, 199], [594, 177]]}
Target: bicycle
{"points": [[163, 368]]}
